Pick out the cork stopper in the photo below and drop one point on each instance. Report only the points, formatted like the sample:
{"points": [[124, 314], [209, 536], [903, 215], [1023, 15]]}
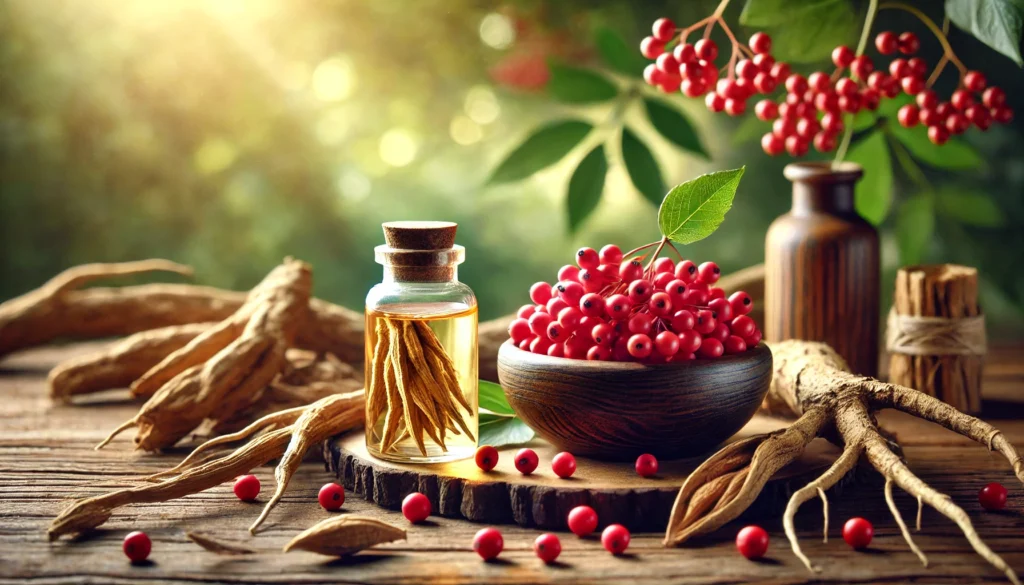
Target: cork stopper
{"points": [[420, 251]]}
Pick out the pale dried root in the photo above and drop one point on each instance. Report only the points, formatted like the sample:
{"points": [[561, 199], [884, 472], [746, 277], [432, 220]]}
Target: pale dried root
{"points": [[899, 522], [344, 535], [218, 546]]}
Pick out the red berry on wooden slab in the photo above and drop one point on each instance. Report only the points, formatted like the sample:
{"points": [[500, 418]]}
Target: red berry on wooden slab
{"points": [[331, 497], [136, 546], [752, 542], [416, 507], [488, 543], [992, 496], [486, 457], [526, 461], [564, 465], [582, 520], [615, 539], [858, 532], [548, 547], [646, 465], [247, 487]]}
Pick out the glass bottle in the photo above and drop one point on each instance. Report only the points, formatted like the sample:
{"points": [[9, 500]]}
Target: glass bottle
{"points": [[421, 348]]}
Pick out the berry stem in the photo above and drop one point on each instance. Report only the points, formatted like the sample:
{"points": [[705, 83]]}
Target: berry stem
{"points": [[906, 162], [938, 70], [661, 245], [686, 31], [676, 250], [869, 20], [947, 50], [638, 249]]}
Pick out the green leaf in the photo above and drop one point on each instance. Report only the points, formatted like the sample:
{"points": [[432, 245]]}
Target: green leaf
{"points": [[804, 30], [693, 210], [498, 431], [546, 146], [642, 167], [915, 226], [750, 130], [970, 208], [874, 192], [997, 23], [616, 54], [674, 126], [492, 397], [863, 120], [573, 85], [955, 154], [889, 107], [585, 187]]}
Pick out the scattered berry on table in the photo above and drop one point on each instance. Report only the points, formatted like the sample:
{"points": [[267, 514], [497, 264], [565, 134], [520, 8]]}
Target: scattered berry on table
{"points": [[526, 461], [487, 457], [548, 547], [416, 507], [247, 487], [331, 497], [615, 539], [646, 465], [992, 496], [582, 520], [488, 543], [858, 532], [752, 542], [137, 546], [564, 465]]}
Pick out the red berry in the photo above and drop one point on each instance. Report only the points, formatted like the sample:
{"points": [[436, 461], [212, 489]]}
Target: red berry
{"points": [[416, 507], [660, 304], [720, 332], [651, 47], [858, 532], [734, 344], [519, 330], [908, 43], [764, 62], [488, 543], [540, 292], [784, 125], [569, 318], [766, 110], [979, 116], [938, 135], [587, 258], [247, 487], [962, 99], [877, 80], [806, 128], [615, 539], [819, 81], [850, 103], [929, 117], [646, 465], [842, 56], [912, 85], [618, 306], [721, 309], [664, 30], [1002, 114], [918, 67], [846, 87], [870, 97], [526, 311], [610, 254], [693, 87], [526, 461], [640, 291], [706, 49], [827, 101], [824, 142], [974, 81], [639, 345], [682, 320], [569, 272], [957, 123], [630, 270], [780, 71], [796, 83], [564, 464], [547, 547], [136, 546], [764, 83], [668, 64], [667, 343], [772, 145], [898, 68], [689, 341], [331, 497], [832, 123], [539, 322], [711, 348], [556, 350], [709, 272], [582, 520], [993, 97], [743, 326], [862, 66], [486, 457], [908, 116], [760, 43], [796, 146], [684, 53], [714, 102], [746, 69], [686, 271], [752, 542], [710, 72], [992, 496], [926, 99], [653, 75], [886, 42], [741, 303]]}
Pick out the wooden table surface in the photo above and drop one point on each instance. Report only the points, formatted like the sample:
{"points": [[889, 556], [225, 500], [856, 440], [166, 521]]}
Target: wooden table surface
{"points": [[46, 458]]}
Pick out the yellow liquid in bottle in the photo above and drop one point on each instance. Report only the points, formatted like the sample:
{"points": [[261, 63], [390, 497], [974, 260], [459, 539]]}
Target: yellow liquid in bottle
{"points": [[455, 326]]}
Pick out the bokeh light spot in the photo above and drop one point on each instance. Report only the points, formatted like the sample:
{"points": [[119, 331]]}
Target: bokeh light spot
{"points": [[482, 105], [398, 147], [333, 127], [354, 186], [334, 79], [465, 131], [496, 31], [294, 76], [215, 155]]}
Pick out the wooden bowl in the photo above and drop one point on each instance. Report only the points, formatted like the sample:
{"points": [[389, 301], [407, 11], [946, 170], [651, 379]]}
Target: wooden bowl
{"points": [[619, 410]]}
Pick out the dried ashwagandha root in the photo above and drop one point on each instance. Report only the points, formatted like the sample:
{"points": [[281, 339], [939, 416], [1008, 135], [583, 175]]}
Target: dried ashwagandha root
{"points": [[217, 546], [811, 381], [345, 535]]}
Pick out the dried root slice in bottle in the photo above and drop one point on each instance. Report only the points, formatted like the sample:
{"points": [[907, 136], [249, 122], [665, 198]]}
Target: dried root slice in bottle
{"points": [[345, 535]]}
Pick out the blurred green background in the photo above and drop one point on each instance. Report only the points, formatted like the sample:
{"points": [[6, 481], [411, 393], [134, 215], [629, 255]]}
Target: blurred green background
{"points": [[227, 134]]}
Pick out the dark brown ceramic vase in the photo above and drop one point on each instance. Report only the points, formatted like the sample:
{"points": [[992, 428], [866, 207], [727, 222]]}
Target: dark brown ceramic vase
{"points": [[822, 267]]}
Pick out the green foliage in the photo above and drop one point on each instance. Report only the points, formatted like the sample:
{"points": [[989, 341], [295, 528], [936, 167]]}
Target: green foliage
{"points": [[693, 210], [642, 167], [955, 154], [674, 126], [616, 54], [574, 85], [492, 397], [803, 31], [541, 149], [499, 426], [997, 23], [971, 208], [874, 192], [585, 187], [915, 226]]}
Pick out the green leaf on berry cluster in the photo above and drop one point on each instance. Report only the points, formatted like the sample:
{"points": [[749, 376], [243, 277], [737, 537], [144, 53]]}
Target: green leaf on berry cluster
{"points": [[574, 85], [585, 187], [997, 23], [955, 154], [617, 54], [546, 146], [970, 208], [674, 126], [693, 210], [804, 30], [498, 423], [874, 191], [642, 167], [915, 226]]}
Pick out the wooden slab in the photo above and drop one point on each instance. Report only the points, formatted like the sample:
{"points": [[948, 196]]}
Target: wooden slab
{"points": [[543, 500]]}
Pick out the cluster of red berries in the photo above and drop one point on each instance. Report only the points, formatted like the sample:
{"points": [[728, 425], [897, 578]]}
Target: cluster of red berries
{"points": [[611, 308], [811, 110], [562, 464]]}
